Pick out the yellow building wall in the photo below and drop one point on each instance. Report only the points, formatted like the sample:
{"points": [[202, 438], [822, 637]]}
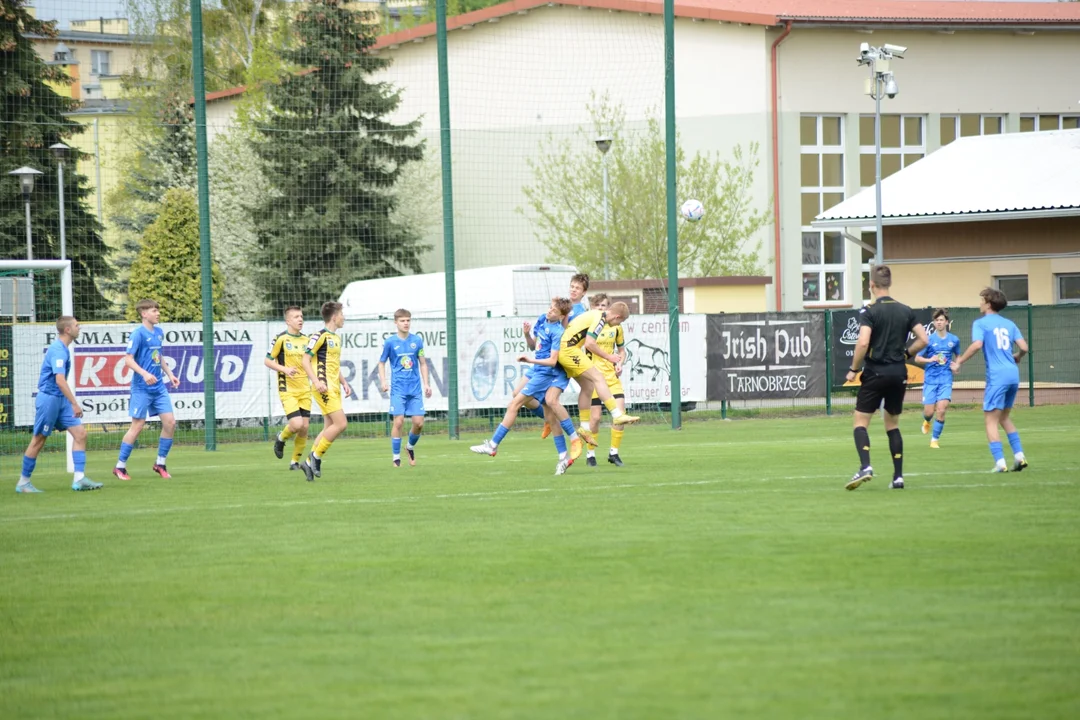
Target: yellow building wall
{"points": [[727, 298], [115, 147], [957, 284]]}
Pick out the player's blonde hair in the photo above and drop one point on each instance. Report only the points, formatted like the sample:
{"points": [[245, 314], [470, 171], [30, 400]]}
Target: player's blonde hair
{"points": [[64, 322], [293, 308], [620, 308], [401, 313]]}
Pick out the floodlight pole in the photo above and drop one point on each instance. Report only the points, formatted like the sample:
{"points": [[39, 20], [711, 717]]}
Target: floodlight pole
{"points": [[879, 253], [878, 86]]}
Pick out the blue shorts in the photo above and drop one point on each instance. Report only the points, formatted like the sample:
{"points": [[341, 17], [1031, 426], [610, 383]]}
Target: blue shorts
{"points": [[411, 405], [542, 379], [934, 393], [144, 405], [999, 397], [53, 412]]}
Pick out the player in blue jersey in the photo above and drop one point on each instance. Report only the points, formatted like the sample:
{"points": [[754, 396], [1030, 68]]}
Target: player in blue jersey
{"points": [[149, 394], [546, 382], [404, 352], [57, 409], [936, 360], [579, 285], [995, 336]]}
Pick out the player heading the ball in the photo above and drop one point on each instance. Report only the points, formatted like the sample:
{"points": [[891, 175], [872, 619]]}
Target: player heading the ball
{"points": [[575, 356]]}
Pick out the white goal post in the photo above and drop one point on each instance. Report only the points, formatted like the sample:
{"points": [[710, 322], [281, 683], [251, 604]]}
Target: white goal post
{"points": [[67, 307]]}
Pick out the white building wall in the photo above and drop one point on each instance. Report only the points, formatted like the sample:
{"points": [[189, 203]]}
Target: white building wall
{"points": [[528, 77], [969, 71]]}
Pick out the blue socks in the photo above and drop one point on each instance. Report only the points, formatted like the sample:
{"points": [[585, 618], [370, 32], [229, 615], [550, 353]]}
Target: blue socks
{"points": [[560, 444], [939, 425], [413, 439], [79, 458], [125, 451], [567, 426], [1014, 443], [28, 465], [538, 411], [163, 447], [997, 452], [395, 446], [500, 433]]}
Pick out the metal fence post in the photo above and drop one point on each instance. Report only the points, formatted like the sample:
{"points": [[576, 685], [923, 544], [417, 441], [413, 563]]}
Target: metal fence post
{"points": [[828, 362], [1031, 358]]}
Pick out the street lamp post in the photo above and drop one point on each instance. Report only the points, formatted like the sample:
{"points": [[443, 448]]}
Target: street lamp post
{"points": [[26, 183], [603, 144], [60, 150], [881, 82]]}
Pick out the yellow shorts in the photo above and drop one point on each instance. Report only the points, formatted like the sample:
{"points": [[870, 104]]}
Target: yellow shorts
{"points": [[296, 403], [329, 401], [574, 361], [612, 380]]}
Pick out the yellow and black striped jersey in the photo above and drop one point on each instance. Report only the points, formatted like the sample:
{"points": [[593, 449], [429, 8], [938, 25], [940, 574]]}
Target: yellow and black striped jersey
{"points": [[588, 323], [325, 347], [608, 339], [288, 350]]}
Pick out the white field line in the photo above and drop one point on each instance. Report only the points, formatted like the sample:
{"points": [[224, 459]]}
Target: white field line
{"points": [[611, 489]]}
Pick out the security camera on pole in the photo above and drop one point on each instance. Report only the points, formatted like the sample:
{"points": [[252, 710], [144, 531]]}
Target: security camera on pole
{"points": [[881, 82]]}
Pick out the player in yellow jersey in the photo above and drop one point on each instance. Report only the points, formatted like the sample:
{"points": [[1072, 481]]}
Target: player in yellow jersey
{"points": [[286, 358], [576, 357], [324, 350], [610, 340]]}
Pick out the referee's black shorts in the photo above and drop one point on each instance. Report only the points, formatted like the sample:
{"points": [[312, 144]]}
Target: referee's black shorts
{"points": [[882, 384]]}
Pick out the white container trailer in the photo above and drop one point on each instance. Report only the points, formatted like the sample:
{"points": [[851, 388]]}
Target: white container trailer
{"points": [[503, 290]]}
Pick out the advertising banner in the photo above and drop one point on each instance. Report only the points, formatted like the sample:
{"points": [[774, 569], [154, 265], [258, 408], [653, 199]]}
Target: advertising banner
{"points": [[756, 356], [845, 334], [488, 367], [102, 381]]}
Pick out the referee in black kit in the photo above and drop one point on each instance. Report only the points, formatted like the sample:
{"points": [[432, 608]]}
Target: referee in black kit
{"points": [[883, 332]]}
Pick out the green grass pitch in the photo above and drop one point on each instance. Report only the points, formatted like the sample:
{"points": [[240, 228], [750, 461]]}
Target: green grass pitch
{"points": [[724, 572]]}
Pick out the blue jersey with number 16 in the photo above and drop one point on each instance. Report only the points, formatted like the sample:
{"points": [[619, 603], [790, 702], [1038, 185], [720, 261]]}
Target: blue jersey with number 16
{"points": [[997, 335]]}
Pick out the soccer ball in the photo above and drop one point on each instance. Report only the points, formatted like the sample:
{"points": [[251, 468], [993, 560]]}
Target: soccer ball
{"points": [[692, 210]]}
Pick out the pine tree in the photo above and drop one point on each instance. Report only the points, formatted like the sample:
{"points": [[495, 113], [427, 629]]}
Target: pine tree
{"points": [[164, 158], [167, 268], [333, 160], [33, 117]]}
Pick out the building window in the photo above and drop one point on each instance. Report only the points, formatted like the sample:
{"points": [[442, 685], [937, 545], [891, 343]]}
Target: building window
{"points": [[99, 62], [967, 125], [869, 237], [1031, 123], [656, 300], [1015, 288], [903, 142], [1068, 288], [822, 179]]}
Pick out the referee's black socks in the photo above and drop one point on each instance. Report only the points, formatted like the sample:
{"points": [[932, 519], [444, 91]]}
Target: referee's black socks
{"points": [[896, 448], [862, 444]]}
